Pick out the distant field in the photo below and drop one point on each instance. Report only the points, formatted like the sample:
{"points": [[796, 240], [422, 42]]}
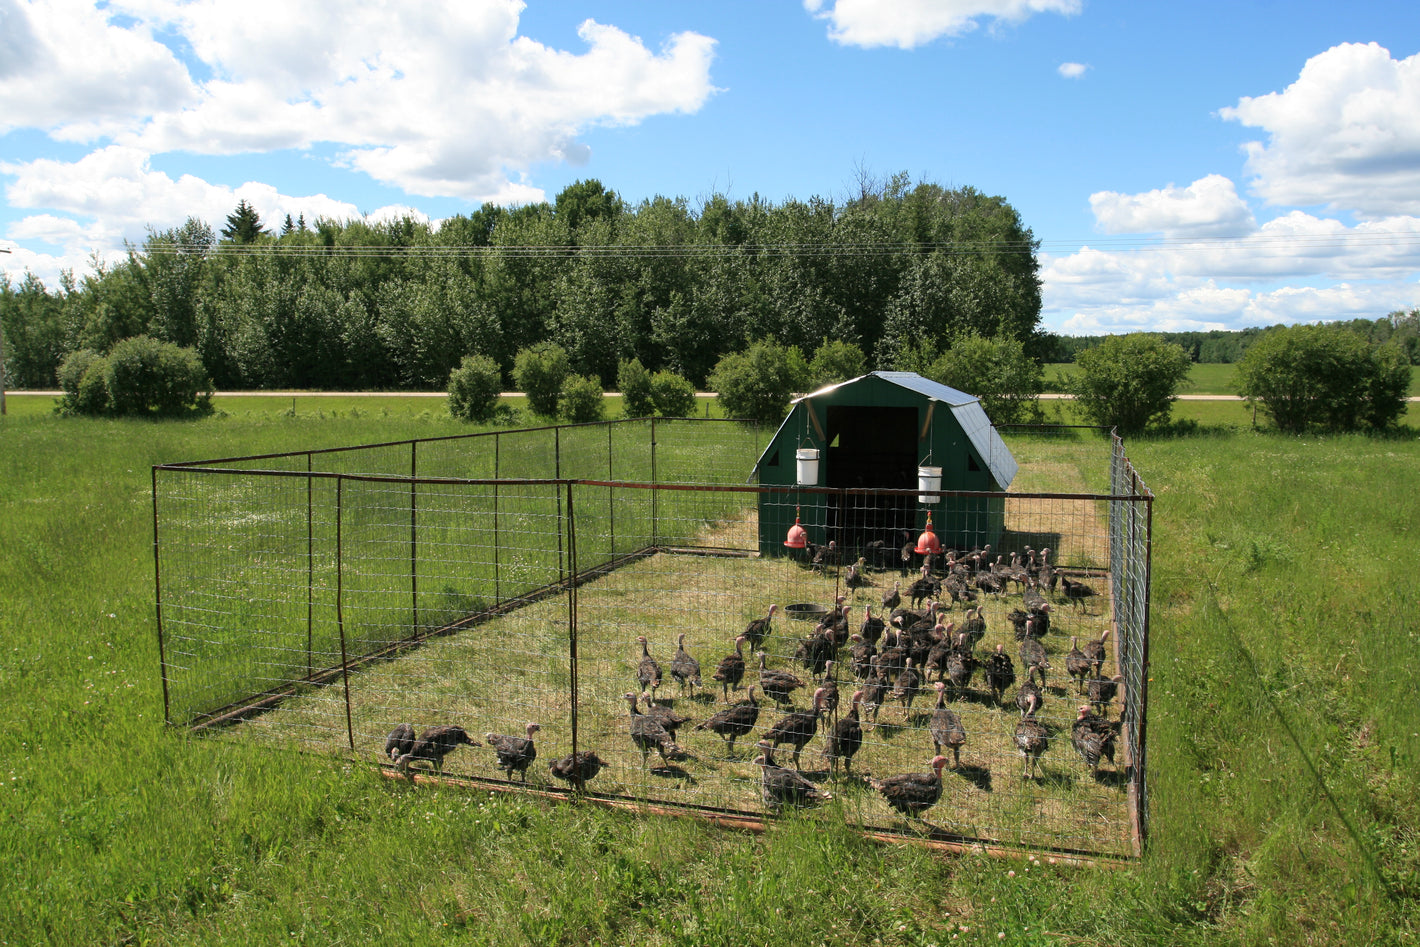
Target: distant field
{"points": [[1203, 379]]}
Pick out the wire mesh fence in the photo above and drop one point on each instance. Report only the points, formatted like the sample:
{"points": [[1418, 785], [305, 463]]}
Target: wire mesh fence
{"points": [[312, 606]]}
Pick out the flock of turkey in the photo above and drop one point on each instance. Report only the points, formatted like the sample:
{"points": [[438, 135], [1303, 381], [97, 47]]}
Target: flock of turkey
{"points": [[923, 641]]}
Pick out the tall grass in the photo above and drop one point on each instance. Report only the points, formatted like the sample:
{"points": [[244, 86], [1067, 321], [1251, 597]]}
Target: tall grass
{"points": [[1282, 738]]}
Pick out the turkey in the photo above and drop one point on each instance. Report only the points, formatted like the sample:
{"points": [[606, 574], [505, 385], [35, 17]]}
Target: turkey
{"points": [[961, 665], [663, 715], [648, 672], [862, 654], [913, 793], [797, 729], [826, 557], [1097, 652], [946, 728], [649, 735], [1077, 592], [1034, 602], [782, 786], [924, 588], [999, 673], [399, 742], [892, 599], [1032, 739], [1101, 691], [776, 685], [973, 626], [1093, 737], [875, 690], [814, 652], [732, 668], [684, 668], [908, 683], [759, 629], [514, 753], [855, 576], [844, 738], [1033, 657], [1077, 665], [434, 744], [733, 722], [872, 628], [578, 768], [1029, 698], [1023, 623], [830, 689]]}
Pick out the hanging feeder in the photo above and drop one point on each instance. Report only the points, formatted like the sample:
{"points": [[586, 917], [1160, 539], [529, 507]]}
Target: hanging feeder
{"points": [[928, 479], [807, 458], [798, 537], [928, 541]]}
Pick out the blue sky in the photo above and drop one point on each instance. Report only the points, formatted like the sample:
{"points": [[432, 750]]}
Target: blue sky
{"points": [[1185, 166]]}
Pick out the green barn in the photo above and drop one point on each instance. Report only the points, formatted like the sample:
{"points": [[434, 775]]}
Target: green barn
{"points": [[877, 431]]}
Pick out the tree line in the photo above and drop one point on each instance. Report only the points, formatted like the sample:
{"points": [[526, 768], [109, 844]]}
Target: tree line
{"points": [[899, 269]]}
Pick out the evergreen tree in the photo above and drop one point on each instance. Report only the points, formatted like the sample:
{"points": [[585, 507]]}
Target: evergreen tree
{"points": [[243, 224]]}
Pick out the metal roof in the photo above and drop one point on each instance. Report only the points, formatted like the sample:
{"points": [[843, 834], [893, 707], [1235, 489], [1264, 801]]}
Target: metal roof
{"points": [[964, 407]]}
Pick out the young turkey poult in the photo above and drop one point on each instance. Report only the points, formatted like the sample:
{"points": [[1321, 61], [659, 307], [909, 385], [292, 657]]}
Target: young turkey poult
{"points": [[578, 768], [648, 671], [797, 729], [732, 669], [759, 629], [1032, 739], [946, 727], [684, 668], [844, 739], [999, 673], [648, 735], [733, 722], [913, 793], [1093, 737], [399, 742], [515, 753], [434, 744], [780, 786]]}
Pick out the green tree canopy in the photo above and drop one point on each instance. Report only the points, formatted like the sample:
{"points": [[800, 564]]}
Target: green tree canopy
{"points": [[243, 224], [1129, 382]]}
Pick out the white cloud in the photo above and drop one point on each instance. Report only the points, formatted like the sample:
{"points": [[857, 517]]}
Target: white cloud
{"points": [[1209, 207], [439, 99], [1346, 134], [1073, 70], [907, 24]]}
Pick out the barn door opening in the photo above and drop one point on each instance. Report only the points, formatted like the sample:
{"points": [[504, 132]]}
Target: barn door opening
{"points": [[873, 447]]}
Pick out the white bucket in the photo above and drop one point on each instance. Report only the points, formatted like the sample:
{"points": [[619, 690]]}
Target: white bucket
{"points": [[928, 478], [807, 458]]}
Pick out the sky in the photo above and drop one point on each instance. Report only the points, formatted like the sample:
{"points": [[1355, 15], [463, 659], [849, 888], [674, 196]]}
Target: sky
{"points": [[1185, 166]]}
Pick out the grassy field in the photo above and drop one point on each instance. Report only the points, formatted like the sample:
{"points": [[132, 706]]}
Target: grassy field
{"points": [[1283, 742], [1203, 379]]}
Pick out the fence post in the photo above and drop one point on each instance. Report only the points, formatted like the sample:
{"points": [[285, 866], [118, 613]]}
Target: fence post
{"points": [[413, 543], [572, 628], [497, 545], [158, 598], [655, 494], [340, 604], [310, 568]]}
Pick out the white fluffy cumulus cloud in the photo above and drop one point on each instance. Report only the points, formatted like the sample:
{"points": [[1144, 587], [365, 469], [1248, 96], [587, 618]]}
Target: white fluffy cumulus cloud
{"points": [[1209, 206], [907, 24], [1345, 134], [438, 98]]}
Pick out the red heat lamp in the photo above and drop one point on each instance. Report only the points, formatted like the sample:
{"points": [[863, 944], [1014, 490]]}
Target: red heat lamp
{"points": [[928, 541], [798, 537]]}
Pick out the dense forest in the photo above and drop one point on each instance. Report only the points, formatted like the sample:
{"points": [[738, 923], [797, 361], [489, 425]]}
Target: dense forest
{"points": [[899, 269]]}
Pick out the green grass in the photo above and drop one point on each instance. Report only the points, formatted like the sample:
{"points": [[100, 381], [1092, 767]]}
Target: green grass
{"points": [[1203, 379], [1284, 638]]}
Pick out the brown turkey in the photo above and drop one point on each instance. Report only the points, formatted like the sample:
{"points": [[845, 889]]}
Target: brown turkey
{"points": [[913, 793], [844, 738], [434, 744], [1102, 690], [399, 742], [759, 629], [648, 672], [797, 729], [776, 685], [648, 735], [663, 715], [733, 722], [578, 768], [1032, 739], [1077, 665], [684, 668], [1093, 737], [946, 727], [515, 753], [781, 787], [1077, 593], [732, 668], [1033, 658], [1097, 651], [999, 673]]}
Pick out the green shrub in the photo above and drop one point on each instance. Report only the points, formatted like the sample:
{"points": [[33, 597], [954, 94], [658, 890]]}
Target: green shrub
{"points": [[835, 361], [998, 371], [756, 384], [673, 396], [539, 372], [148, 376], [635, 383], [582, 399], [1129, 381], [81, 375], [1307, 377], [474, 388]]}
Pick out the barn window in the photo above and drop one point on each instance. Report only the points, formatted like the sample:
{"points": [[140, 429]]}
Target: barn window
{"points": [[971, 463], [774, 459]]}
